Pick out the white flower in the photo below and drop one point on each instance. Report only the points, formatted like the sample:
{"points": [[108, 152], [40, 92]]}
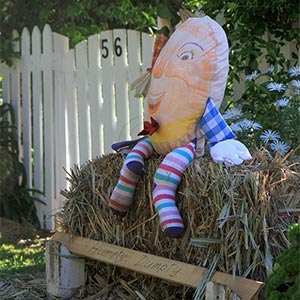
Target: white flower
{"points": [[256, 126], [246, 125], [270, 70], [235, 127], [282, 102], [232, 113], [273, 86], [294, 71], [252, 76], [297, 92], [296, 84], [280, 147], [269, 135]]}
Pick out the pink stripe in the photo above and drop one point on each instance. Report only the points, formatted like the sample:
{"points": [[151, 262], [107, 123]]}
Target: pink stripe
{"points": [[169, 213], [128, 181], [191, 148], [118, 205], [163, 196], [123, 197], [141, 153], [170, 169], [175, 159], [167, 222]]}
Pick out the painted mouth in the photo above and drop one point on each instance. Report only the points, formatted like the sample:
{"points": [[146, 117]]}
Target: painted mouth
{"points": [[154, 101]]}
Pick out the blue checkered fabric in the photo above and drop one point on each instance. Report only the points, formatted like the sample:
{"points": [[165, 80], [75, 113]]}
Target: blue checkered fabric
{"points": [[214, 127]]}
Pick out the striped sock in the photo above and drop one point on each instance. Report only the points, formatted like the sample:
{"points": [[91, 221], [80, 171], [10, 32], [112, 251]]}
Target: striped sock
{"points": [[166, 181], [122, 195]]}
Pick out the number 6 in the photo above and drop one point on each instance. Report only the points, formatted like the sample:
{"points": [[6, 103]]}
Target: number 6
{"points": [[118, 48]]}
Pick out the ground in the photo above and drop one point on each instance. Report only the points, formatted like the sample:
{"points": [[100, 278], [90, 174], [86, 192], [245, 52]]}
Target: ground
{"points": [[20, 246]]}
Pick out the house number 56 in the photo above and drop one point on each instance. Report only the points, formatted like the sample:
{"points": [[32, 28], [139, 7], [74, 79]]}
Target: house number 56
{"points": [[117, 48]]}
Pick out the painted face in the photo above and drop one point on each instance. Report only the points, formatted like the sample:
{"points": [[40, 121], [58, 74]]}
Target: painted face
{"points": [[180, 83]]}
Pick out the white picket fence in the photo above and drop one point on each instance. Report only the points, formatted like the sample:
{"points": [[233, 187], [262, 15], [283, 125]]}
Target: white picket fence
{"points": [[72, 104]]}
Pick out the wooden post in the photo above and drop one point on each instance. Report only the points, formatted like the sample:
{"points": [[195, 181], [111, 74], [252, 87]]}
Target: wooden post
{"points": [[157, 266], [65, 273]]}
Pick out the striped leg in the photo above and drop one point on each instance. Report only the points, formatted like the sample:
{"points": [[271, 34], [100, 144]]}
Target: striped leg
{"points": [[122, 195], [166, 181]]}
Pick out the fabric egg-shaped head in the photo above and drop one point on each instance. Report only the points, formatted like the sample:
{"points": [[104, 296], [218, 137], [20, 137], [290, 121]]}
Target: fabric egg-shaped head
{"points": [[192, 66]]}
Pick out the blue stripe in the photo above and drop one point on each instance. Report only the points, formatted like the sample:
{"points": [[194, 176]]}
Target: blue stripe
{"points": [[164, 205], [167, 178], [184, 153], [124, 188], [133, 155]]}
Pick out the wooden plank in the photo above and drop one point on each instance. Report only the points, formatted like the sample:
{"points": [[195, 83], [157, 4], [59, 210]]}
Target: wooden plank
{"points": [[26, 102], [161, 267], [94, 94], [83, 102], [121, 87], [147, 51], [37, 119], [60, 47], [108, 83], [48, 126], [134, 71], [72, 143]]}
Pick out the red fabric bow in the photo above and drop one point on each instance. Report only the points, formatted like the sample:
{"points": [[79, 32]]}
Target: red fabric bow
{"points": [[149, 128]]}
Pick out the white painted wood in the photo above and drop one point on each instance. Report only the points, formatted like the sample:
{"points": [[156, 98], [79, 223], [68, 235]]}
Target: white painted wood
{"points": [[108, 80], [61, 46], [37, 112], [50, 209], [214, 291], [147, 51], [94, 95], [134, 71], [65, 274], [83, 102], [72, 142], [26, 103], [121, 84]]}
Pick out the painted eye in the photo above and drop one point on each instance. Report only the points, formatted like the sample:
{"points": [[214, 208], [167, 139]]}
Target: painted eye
{"points": [[186, 55]]}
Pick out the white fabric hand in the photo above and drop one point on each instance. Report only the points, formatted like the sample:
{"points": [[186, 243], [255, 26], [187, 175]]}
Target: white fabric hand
{"points": [[230, 152]]}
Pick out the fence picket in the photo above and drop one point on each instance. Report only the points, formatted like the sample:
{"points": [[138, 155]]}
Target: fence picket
{"points": [[26, 103], [37, 110], [50, 209], [16, 93], [108, 78], [83, 101], [147, 50], [121, 84], [94, 94], [134, 71], [72, 143], [60, 46]]}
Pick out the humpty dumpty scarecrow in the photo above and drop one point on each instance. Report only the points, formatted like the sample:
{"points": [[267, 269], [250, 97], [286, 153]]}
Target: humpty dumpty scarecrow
{"points": [[188, 80]]}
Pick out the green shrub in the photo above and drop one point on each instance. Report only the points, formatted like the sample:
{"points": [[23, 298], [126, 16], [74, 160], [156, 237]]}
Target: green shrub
{"points": [[16, 200], [284, 282]]}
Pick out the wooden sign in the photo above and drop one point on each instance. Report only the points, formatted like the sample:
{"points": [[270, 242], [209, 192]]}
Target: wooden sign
{"points": [[157, 266]]}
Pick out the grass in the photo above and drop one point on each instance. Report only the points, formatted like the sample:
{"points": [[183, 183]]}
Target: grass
{"points": [[20, 258]]}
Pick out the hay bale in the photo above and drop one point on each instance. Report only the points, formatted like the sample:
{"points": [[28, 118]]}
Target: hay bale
{"points": [[232, 212]]}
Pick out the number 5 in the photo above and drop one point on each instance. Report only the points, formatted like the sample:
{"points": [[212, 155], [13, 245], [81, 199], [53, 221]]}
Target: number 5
{"points": [[105, 51]]}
